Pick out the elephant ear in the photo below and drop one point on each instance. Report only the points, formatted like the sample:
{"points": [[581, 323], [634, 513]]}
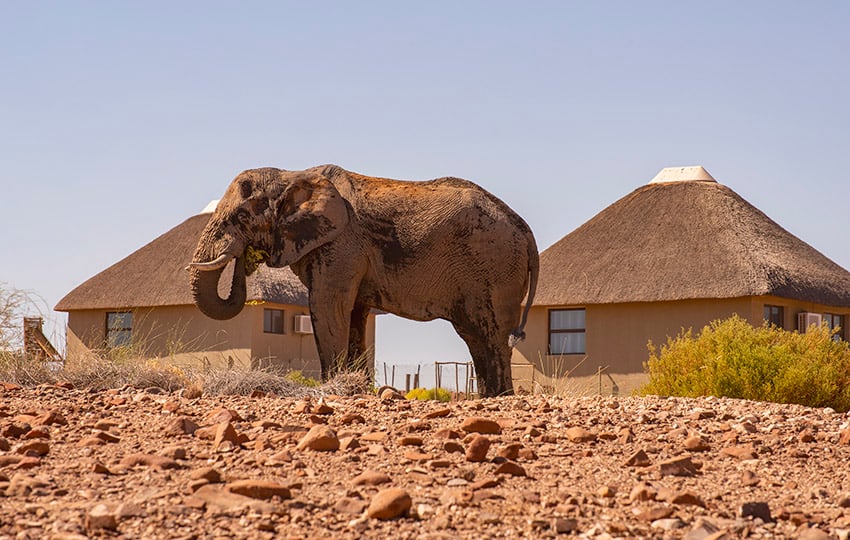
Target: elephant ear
{"points": [[310, 213]]}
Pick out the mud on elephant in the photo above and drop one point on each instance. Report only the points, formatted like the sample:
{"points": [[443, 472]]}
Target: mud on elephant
{"points": [[441, 249]]}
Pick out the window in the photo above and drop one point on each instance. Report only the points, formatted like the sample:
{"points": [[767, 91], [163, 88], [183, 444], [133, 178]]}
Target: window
{"points": [[119, 329], [273, 321], [566, 331], [774, 315], [835, 321]]}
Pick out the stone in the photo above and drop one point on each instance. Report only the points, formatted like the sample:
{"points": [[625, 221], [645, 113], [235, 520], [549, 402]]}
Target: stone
{"points": [[352, 418], [221, 415], [446, 433], [696, 444], [210, 474], [453, 447], [149, 460], [389, 504], [680, 466], [218, 496], [510, 451], [477, 424], [410, 440], [181, 425], [639, 459], [348, 505], [225, 432], [812, 533], [749, 479], [562, 525], [391, 394], [511, 468], [259, 489], [101, 517], [655, 513], [642, 492], [33, 448], [437, 413], [758, 509], [739, 451], [477, 449], [687, 498], [578, 434], [844, 437], [320, 438], [370, 478]]}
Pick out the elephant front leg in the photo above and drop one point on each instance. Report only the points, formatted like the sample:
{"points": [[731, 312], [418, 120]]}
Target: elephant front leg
{"points": [[360, 357], [331, 331]]}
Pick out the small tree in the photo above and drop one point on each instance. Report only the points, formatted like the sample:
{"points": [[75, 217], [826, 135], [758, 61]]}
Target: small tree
{"points": [[15, 304]]}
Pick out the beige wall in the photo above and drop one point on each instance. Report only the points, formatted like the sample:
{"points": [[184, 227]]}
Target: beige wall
{"points": [[617, 335], [186, 337]]}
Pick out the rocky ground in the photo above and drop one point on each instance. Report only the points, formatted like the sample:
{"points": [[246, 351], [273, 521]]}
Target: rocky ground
{"points": [[145, 464]]}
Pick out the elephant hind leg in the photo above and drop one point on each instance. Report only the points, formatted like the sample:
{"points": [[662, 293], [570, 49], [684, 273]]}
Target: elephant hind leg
{"points": [[492, 360]]}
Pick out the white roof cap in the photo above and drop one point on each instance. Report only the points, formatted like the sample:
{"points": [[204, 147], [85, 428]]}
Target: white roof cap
{"points": [[210, 207], [682, 174]]}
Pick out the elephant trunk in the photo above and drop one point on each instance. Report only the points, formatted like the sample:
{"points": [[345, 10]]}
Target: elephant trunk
{"points": [[204, 283]]}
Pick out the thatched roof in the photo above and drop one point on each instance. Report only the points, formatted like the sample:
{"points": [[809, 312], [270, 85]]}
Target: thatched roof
{"points": [[155, 275], [675, 240]]}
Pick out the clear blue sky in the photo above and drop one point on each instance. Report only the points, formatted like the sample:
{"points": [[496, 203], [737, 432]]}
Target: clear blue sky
{"points": [[119, 120]]}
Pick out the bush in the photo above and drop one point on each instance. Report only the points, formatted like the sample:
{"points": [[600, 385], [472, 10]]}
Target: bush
{"points": [[732, 358], [423, 394]]}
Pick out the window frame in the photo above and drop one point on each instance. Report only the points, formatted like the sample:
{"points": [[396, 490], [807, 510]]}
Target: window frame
{"points": [[268, 324], [769, 316], [112, 330], [551, 331], [830, 319]]}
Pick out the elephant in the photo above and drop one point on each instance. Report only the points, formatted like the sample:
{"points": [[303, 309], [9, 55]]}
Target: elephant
{"points": [[423, 250]]}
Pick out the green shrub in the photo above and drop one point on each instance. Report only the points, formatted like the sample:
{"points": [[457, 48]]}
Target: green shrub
{"points": [[731, 358], [299, 378], [423, 394]]}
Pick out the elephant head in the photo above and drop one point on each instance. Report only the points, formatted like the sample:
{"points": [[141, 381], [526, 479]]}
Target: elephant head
{"points": [[266, 215]]}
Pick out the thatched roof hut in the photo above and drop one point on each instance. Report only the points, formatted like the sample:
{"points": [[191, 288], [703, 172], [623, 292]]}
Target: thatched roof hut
{"points": [[155, 275], [685, 236]]}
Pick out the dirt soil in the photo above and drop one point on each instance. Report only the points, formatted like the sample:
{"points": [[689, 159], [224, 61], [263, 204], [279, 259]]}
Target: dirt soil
{"points": [[135, 463]]}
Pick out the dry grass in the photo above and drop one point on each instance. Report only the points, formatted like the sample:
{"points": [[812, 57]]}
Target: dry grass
{"points": [[100, 373]]}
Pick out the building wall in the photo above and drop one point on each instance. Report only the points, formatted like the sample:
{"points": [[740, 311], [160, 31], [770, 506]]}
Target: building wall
{"points": [[186, 337], [617, 335]]}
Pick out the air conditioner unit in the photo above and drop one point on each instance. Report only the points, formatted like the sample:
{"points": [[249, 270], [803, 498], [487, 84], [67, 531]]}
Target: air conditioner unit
{"points": [[303, 324], [805, 320]]}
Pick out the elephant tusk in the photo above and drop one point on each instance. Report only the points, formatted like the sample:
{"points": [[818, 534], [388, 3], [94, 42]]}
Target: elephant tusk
{"points": [[216, 264]]}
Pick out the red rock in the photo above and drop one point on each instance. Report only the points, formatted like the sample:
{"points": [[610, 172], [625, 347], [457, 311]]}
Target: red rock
{"points": [[696, 444], [477, 449], [656, 513], [510, 451], [389, 504], [410, 440], [511, 468], [438, 413], [578, 434], [638, 459], [211, 475], [687, 498], [680, 466], [225, 432], [481, 425], [259, 489], [320, 438], [352, 418], [33, 448], [453, 447], [739, 452], [149, 460], [446, 433], [370, 478], [222, 415], [101, 517]]}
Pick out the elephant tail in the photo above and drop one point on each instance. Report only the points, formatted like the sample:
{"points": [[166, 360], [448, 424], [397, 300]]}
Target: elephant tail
{"points": [[533, 270]]}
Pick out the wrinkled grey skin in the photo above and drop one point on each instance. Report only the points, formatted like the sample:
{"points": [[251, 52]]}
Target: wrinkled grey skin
{"points": [[442, 249]]}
